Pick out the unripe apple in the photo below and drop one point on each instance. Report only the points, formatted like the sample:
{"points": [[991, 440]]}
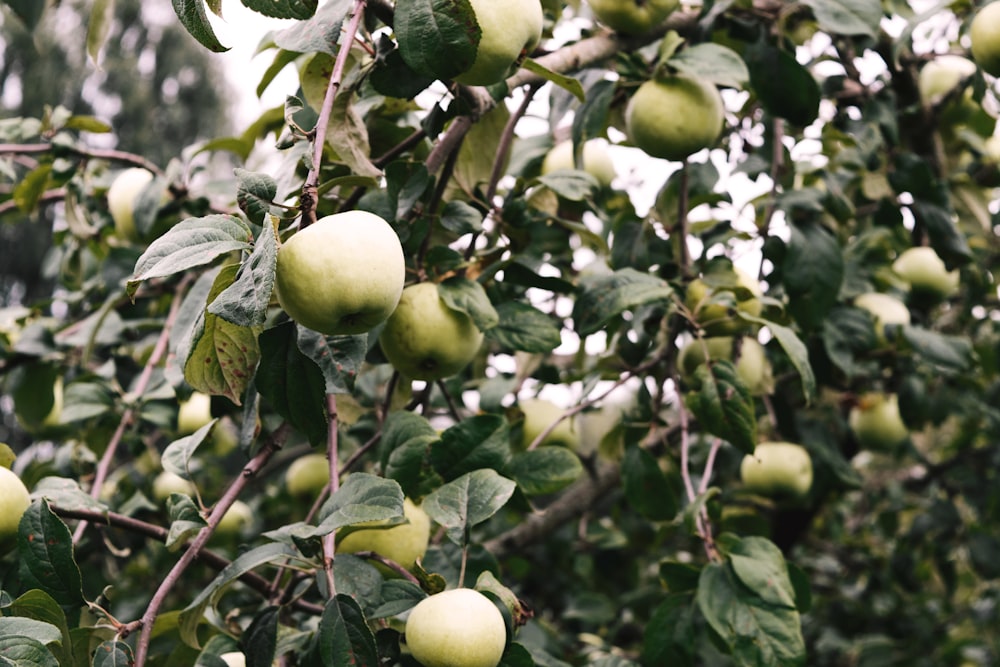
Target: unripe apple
{"points": [[167, 482], [236, 519], [594, 426], [709, 304], [460, 627], [938, 79], [122, 197], [926, 273], [632, 17], [539, 414], [984, 34], [308, 475], [596, 160], [885, 310], [424, 339], [26, 406], [674, 116], [780, 470], [753, 367], [341, 275], [876, 422], [14, 501], [510, 30], [403, 543], [194, 413]]}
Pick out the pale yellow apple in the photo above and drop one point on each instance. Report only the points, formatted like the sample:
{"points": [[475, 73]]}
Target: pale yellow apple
{"points": [[984, 34], [674, 117], [122, 197], [167, 483], [14, 501], [510, 30], [194, 413], [885, 310], [596, 160], [308, 475], [236, 519], [403, 543], [234, 659], [539, 414], [926, 273], [632, 17], [876, 422], [341, 275], [780, 470], [710, 305], [424, 339], [460, 627], [753, 367]]}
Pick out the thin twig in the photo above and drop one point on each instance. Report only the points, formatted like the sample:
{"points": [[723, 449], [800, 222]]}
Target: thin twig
{"points": [[333, 455]]}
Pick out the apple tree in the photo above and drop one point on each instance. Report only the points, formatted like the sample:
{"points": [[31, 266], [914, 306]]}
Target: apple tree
{"points": [[776, 224]]}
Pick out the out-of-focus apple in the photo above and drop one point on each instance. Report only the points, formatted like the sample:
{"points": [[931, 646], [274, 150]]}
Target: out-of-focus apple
{"points": [[711, 298], [876, 422], [596, 160], [194, 413], [926, 273], [403, 543], [167, 482], [780, 470], [308, 475], [885, 310], [236, 519], [753, 367], [984, 34], [539, 414], [14, 501]]}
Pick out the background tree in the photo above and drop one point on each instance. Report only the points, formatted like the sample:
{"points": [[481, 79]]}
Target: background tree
{"points": [[747, 278]]}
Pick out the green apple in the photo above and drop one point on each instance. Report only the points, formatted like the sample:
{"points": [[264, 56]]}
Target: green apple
{"points": [[460, 627], [780, 470], [674, 116], [632, 17], [236, 519], [753, 367], [876, 422], [710, 303], [194, 413], [234, 659], [885, 310], [402, 543], [596, 160], [123, 195], [30, 398], [938, 79], [308, 475], [424, 339], [984, 34], [14, 500], [594, 426], [509, 31], [539, 414], [341, 275], [926, 273], [167, 482]]}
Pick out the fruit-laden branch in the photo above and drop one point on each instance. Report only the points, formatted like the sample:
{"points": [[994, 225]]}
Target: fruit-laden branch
{"points": [[159, 533], [273, 444]]}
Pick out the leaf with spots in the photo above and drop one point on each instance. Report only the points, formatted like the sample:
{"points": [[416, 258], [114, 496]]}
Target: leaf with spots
{"points": [[338, 357], [223, 355], [46, 549]]}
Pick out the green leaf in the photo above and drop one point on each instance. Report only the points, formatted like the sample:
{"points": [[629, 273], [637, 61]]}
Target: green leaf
{"points": [[467, 501], [950, 354], [567, 83], [223, 356], [812, 272], [670, 633], [260, 640], [66, 493], [945, 236], [185, 520], [102, 14], [461, 218], [392, 77], [190, 243], [723, 405], [30, 188], [761, 567], [786, 89], [796, 350], [29, 11], [544, 470], [245, 301], [468, 296], [361, 498], [604, 297], [21, 651], [192, 615], [46, 549], [712, 62], [343, 635], [591, 119], [571, 184], [292, 382], [477, 442], [847, 17], [195, 20], [255, 193], [437, 38], [339, 357], [757, 633], [86, 400], [177, 456], [847, 335], [647, 487], [283, 9], [398, 595], [523, 327], [39, 605], [14, 626], [320, 34], [113, 654]]}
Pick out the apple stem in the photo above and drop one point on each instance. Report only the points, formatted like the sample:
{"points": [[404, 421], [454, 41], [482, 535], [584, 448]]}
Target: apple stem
{"points": [[309, 188]]}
